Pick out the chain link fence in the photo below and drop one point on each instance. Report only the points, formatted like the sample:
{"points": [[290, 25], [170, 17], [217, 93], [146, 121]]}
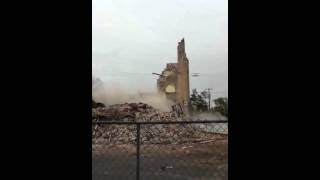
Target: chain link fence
{"points": [[160, 150]]}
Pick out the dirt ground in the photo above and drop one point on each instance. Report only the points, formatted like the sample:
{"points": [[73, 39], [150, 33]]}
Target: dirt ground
{"points": [[204, 160]]}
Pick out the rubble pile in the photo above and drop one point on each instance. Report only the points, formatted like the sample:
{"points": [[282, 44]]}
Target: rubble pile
{"points": [[132, 112], [150, 133]]}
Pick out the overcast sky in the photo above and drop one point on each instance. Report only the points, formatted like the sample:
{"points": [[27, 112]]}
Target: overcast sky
{"points": [[133, 38]]}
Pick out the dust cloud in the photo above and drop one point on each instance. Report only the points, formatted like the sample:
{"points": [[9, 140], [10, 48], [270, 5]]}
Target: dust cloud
{"points": [[116, 94], [208, 116]]}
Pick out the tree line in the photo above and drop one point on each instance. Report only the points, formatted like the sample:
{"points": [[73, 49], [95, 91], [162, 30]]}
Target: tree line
{"points": [[199, 103]]}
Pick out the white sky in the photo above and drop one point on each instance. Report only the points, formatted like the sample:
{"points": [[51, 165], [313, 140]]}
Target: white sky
{"points": [[133, 38]]}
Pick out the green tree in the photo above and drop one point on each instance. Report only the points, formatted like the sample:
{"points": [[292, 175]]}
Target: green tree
{"points": [[221, 106], [198, 101]]}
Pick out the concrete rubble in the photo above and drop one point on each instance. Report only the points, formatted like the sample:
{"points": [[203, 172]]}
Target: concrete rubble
{"points": [[132, 112], [150, 134]]}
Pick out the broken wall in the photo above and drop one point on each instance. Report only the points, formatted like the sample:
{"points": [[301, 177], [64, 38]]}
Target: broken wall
{"points": [[174, 79]]}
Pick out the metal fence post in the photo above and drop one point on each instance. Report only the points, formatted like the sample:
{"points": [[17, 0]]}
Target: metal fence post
{"points": [[114, 169], [138, 153]]}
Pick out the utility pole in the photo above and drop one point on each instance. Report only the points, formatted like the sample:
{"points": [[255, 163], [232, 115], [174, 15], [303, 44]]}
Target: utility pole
{"points": [[209, 97]]}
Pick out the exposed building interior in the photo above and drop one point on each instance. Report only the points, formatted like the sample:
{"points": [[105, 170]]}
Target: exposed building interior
{"points": [[174, 79]]}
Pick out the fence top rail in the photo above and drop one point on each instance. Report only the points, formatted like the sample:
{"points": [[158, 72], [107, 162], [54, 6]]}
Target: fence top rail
{"points": [[160, 122]]}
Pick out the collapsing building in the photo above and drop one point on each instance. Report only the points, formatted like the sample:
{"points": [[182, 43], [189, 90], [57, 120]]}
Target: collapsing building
{"points": [[174, 79]]}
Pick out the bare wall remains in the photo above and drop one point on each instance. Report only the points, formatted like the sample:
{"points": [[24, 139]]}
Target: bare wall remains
{"points": [[174, 79]]}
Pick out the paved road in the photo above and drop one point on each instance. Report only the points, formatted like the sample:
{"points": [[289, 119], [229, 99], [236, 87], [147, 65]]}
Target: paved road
{"points": [[204, 162]]}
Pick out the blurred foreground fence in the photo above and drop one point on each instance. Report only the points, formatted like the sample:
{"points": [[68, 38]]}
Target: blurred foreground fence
{"points": [[178, 150]]}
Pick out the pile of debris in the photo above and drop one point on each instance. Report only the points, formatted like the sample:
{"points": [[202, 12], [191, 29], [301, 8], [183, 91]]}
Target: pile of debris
{"points": [[150, 133], [131, 112]]}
